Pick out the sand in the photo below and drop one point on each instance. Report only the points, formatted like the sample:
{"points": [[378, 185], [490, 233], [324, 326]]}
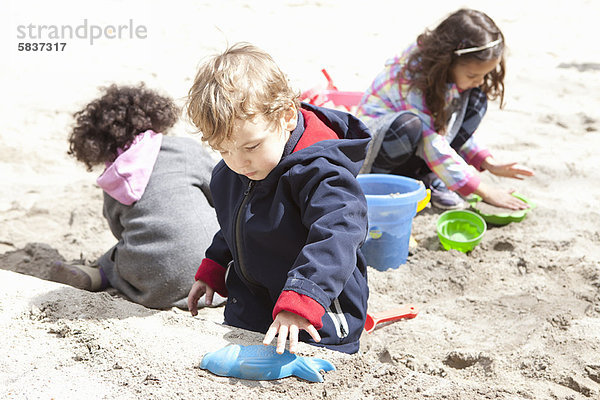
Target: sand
{"points": [[517, 318]]}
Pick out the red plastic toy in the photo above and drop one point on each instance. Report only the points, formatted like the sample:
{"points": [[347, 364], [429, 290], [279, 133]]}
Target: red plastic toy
{"points": [[321, 97]]}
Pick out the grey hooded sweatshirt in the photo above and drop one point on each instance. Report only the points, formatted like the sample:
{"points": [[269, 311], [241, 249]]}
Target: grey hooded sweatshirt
{"points": [[158, 205]]}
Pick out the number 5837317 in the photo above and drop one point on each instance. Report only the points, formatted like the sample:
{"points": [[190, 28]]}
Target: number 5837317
{"points": [[41, 46]]}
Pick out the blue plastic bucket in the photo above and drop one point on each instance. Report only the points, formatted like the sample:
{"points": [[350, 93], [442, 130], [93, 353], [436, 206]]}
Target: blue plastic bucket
{"points": [[392, 205]]}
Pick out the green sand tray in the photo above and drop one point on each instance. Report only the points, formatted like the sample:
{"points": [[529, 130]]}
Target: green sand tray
{"points": [[502, 218]]}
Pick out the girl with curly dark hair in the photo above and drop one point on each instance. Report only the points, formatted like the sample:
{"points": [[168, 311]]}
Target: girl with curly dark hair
{"points": [[156, 197], [424, 107]]}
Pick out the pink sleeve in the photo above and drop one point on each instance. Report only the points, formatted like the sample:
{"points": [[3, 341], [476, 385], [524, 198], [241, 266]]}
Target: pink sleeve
{"points": [[474, 153], [448, 165]]}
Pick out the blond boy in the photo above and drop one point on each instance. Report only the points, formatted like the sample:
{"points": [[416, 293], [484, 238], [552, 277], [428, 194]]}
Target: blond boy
{"points": [[291, 212]]}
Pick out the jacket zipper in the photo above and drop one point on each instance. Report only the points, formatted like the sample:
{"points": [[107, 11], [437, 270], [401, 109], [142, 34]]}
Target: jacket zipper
{"points": [[238, 236], [338, 318]]}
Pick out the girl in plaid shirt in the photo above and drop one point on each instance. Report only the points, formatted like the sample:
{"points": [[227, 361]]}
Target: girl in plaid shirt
{"points": [[424, 107]]}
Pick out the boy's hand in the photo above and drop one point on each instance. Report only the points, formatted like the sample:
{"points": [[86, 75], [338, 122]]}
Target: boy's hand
{"points": [[198, 289], [285, 323], [500, 197], [509, 170]]}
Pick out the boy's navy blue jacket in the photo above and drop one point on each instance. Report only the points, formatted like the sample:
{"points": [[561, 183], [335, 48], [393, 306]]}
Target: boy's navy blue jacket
{"points": [[292, 240]]}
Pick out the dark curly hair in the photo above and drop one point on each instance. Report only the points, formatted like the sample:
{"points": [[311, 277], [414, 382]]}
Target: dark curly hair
{"points": [[428, 67], [113, 120]]}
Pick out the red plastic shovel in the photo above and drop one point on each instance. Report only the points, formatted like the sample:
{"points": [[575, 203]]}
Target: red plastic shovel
{"points": [[402, 312]]}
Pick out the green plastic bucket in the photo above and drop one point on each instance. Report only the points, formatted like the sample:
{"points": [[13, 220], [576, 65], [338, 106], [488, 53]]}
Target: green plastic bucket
{"points": [[460, 230]]}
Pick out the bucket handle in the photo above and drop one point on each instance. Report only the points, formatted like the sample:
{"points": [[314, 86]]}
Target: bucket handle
{"points": [[421, 204]]}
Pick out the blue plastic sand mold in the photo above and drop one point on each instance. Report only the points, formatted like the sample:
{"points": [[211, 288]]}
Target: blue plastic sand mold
{"points": [[259, 362]]}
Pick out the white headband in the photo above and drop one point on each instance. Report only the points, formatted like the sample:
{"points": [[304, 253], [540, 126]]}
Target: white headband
{"points": [[474, 49]]}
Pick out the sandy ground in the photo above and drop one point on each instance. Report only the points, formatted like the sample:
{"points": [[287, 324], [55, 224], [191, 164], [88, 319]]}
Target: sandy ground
{"points": [[518, 318]]}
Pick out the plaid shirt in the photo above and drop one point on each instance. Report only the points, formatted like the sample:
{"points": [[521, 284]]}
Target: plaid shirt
{"points": [[388, 94]]}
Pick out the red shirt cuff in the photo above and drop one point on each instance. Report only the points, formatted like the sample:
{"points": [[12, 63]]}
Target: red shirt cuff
{"points": [[470, 186], [478, 159], [213, 274], [302, 305]]}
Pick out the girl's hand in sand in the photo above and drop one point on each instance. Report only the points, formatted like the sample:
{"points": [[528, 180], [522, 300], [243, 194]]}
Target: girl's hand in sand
{"points": [[509, 170], [198, 289], [285, 323], [500, 197]]}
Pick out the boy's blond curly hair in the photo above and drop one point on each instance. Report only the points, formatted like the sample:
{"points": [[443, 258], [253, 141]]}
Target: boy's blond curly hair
{"points": [[240, 84]]}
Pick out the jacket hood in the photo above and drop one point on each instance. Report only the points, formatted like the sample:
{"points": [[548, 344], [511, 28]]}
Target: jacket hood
{"points": [[126, 178], [349, 151]]}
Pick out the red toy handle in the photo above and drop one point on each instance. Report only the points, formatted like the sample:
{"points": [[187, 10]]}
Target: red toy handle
{"points": [[330, 85], [406, 311]]}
